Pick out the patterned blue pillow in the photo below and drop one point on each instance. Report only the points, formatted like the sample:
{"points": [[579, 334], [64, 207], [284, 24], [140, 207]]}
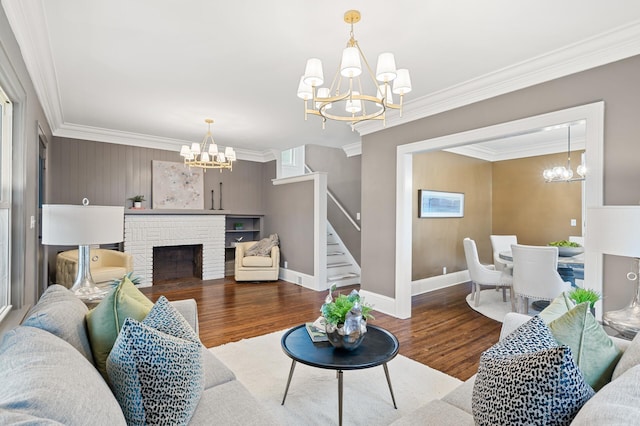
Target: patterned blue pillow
{"points": [[155, 368], [526, 378]]}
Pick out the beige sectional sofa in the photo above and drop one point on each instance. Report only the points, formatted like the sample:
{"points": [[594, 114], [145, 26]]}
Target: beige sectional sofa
{"points": [[47, 379]]}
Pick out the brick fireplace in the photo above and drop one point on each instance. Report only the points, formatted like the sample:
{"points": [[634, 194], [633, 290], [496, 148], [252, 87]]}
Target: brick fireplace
{"points": [[143, 232]]}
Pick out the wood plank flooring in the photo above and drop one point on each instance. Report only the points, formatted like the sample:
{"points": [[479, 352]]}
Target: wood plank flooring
{"points": [[443, 332]]}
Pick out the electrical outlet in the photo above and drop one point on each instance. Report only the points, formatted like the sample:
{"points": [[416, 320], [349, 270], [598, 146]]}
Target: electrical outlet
{"points": [[444, 270], [574, 222], [358, 216], [286, 264]]}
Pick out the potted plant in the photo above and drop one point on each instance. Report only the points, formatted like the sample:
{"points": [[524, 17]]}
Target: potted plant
{"points": [[137, 201], [345, 319], [581, 295]]}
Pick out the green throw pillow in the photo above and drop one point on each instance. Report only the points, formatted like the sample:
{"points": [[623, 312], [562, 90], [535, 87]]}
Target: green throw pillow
{"points": [[105, 320], [592, 349], [156, 368], [558, 307]]}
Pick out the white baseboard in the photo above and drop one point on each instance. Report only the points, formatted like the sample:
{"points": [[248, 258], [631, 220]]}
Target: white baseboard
{"points": [[441, 281], [380, 303], [295, 277]]}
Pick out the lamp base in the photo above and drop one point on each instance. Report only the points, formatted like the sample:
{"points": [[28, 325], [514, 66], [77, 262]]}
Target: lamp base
{"points": [[84, 287], [626, 321]]}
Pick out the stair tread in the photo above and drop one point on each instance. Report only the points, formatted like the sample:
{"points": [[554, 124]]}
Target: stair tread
{"points": [[343, 276], [335, 253], [337, 264]]}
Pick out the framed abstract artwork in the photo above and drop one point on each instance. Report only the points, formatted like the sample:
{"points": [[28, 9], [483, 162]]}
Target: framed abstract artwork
{"points": [[440, 204], [176, 186]]}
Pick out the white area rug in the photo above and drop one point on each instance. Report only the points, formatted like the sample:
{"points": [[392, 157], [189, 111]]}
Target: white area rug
{"points": [[262, 367], [492, 306]]}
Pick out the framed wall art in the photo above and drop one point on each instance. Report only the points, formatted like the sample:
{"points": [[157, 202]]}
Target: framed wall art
{"points": [[176, 186], [440, 204]]}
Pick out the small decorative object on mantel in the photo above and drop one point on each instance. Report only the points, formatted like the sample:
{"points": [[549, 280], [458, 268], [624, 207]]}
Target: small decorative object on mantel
{"points": [[137, 201], [345, 319], [212, 200], [220, 208]]}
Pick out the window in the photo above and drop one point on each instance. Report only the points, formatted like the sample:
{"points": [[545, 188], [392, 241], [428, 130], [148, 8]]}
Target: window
{"points": [[5, 204], [291, 162]]}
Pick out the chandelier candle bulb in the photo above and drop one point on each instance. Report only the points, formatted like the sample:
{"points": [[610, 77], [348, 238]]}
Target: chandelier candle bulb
{"points": [[313, 75], [351, 66]]}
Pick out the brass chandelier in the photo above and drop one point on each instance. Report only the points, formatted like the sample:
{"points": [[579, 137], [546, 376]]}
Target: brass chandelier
{"points": [[206, 154], [346, 99]]}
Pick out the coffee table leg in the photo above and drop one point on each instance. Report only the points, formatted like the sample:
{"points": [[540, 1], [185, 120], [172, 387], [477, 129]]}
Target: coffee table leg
{"points": [[293, 367], [386, 373], [340, 397]]}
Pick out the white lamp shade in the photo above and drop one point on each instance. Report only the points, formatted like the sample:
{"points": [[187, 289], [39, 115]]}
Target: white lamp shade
{"points": [[204, 157], [353, 105], [386, 69], [213, 149], [388, 98], [313, 75], [72, 225], [323, 92], [231, 156], [304, 90], [184, 151], [221, 157], [195, 148], [615, 229], [350, 65], [402, 83], [228, 151]]}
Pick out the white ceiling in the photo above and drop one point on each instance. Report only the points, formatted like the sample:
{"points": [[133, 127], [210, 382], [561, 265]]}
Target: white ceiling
{"points": [[148, 72]]}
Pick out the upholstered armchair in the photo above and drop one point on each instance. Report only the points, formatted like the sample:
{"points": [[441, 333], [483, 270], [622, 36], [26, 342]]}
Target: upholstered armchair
{"points": [[256, 268], [106, 265]]}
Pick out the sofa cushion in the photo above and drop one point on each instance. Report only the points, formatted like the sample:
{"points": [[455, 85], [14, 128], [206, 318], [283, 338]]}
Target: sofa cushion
{"points": [[526, 378], [630, 358], [461, 396], [263, 247], [257, 261], [616, 404], [105, 320], [591, 347], [230, 404], [45, 378], [156, 368], [436, 413], [558, 307], [60, 312]]}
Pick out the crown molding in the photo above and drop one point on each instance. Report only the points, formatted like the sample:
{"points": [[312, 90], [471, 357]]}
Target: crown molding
{"points": [[607, 47], [353, 149], [75, 131], [516, 151], [29, 26]]}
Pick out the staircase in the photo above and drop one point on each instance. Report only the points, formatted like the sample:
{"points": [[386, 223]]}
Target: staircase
{"points": [[342, 269]]}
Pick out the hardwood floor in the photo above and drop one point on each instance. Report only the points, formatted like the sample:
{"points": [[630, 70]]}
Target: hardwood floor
{"points": [[443, 332]]}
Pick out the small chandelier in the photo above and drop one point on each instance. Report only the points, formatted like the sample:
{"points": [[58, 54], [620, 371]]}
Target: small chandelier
{"points": [[346, 99], [199, 155], [565, 174]]}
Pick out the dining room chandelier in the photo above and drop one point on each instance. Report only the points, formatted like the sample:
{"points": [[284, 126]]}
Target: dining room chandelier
{"points": [[346, 99], [562, 173], [206, 154]]}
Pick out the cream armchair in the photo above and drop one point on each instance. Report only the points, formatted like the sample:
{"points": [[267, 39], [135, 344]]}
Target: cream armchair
{"points": [[106, 265], [256, 268]]}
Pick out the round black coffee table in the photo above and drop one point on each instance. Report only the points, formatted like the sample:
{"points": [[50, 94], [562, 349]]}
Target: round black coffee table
{"points": [[377, 348]]}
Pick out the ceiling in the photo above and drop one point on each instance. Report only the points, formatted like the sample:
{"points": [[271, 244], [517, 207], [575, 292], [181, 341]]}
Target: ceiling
{"points": [[148, 72]]}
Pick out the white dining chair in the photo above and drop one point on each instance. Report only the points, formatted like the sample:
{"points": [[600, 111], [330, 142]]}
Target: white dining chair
{"points": [[483, 275], [502, 243], [535, 274]]}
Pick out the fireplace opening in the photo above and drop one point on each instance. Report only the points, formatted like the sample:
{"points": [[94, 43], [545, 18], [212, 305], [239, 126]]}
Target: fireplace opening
{"points": [[177, 262]]}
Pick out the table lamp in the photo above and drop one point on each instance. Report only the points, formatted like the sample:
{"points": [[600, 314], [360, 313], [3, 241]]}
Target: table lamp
{"points": [[84, 225], [616, 230]]}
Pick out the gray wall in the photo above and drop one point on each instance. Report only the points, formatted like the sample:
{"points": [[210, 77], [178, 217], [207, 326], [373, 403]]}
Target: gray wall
{"points": [[616, 84], [289, 213], [343, 180], [109, 174], [27, 115]]}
